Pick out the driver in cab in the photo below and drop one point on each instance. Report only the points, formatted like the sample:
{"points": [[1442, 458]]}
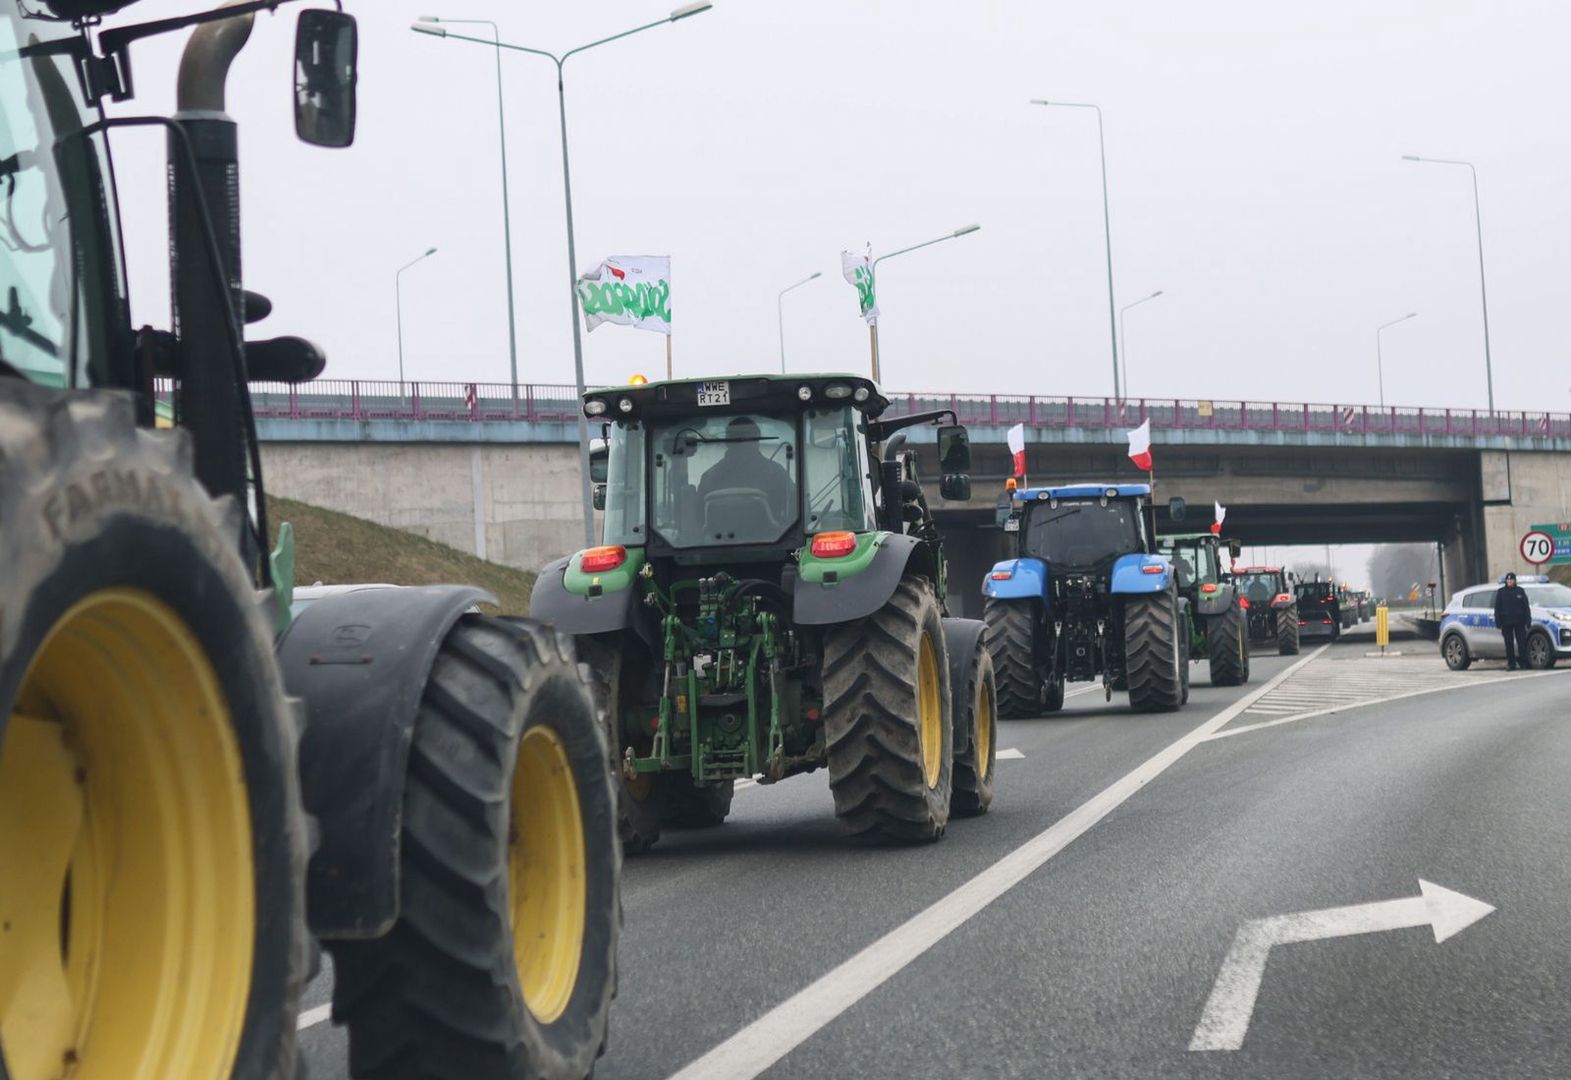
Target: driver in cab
{"points": [[744, 468]]}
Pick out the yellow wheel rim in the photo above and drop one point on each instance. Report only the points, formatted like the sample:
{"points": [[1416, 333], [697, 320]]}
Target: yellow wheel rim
{"points": [[127, 900], [930, 711], [984, 730], [546, 874]]}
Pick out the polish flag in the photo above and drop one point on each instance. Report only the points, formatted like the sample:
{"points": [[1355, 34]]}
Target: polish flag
{"points": [[1140, 446], [1017, 447], [1221, 514]]}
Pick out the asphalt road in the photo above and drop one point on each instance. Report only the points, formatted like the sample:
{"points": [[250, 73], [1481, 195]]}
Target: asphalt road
{"points": [[1099, 898]]}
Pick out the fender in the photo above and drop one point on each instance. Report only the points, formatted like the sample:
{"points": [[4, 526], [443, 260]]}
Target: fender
{"points": [[1215, 603], [360, 660], [819, 603], [574, 613], [1130, 575], [1017, 579]]}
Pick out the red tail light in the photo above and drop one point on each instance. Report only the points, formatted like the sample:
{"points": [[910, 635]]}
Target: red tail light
{"points": [[1283, 598], [1001, 575], [598, 560], [833, 545], [1152, 569], [1208, 588], [1243, 602]]}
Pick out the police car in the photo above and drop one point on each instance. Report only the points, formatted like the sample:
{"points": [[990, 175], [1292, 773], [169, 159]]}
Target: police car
{"points": [[1468, 631]]}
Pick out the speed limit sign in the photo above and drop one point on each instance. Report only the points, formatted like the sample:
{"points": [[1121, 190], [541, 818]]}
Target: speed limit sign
{"points": [[1538, 547]]}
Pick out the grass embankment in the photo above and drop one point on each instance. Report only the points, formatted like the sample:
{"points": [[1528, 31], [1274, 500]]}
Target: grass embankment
{"points": [[339, 549]]}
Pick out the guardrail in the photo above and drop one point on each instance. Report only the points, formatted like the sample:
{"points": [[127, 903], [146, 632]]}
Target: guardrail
{"points": [[362, 399]]}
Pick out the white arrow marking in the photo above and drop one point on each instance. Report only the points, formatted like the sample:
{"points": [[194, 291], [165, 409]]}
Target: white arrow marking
{"points": [[1225, 1021], [1009, 755]]}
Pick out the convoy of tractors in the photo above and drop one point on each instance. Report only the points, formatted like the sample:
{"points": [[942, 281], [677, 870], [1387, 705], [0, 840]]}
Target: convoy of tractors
{"points": [[200, 790]]}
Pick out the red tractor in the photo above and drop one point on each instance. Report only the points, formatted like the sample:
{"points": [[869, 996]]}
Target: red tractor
{"points": [[1266, 593]]}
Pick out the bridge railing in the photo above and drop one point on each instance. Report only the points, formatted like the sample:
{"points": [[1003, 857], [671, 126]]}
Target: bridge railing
{"points": [[372, 399]]}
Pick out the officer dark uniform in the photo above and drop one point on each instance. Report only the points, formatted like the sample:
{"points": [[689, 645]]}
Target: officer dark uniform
{"points": [[1513, 614]]}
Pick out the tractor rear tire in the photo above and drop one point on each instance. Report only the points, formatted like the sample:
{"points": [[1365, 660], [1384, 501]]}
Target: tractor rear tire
{"points": [[1287, 631], [1154, 660], [640, 803], [687, 805], [1227, 640], [974, 706], [503, 960], [1010, 625], [887, 719], [153, 843]]}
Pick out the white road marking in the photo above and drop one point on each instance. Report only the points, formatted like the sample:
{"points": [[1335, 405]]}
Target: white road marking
{"points": [[756, 1047], [313, 1016], [1360, 703], [1009, 755], [1231, 1006], [745, 782]]}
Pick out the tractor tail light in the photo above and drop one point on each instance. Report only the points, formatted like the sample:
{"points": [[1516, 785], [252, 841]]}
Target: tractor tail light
{"points": [[1283, 598], [1153, 569], [833, 545], [1243, 602], [1001, 575], [1208, 587], [600, 559]]}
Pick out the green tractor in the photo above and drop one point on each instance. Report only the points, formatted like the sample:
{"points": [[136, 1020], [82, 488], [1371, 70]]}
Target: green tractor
{"points": [[198, 788], [1219, 629], [769, 599]]}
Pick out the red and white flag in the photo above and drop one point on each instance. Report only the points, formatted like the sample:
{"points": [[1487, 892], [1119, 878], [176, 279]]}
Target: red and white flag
{"points": [[1140, 446], [1017, 447], [1221, 514]]}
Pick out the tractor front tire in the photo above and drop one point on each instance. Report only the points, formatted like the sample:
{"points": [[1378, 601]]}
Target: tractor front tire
{"points": [[1010, 625], [887, 719], [503, 960], [1227, 641], [974, 706], [686, 805], [1287, 631], [153, 843], [1154, 661]]}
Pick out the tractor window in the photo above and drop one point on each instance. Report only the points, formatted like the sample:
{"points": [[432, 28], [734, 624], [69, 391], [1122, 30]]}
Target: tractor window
{"points": [[834, 470], [724, 480], [1258, 588], [61, 289], [624, 489], [1082, 533]]}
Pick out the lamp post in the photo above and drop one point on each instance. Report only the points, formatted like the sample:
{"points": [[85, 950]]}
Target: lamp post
{"points": [[1125, 340], [873, 271], [1107, 224], [1483, 292], [507, 226], [398, 307], [780, 311], [567, 196], [1380, 371]]}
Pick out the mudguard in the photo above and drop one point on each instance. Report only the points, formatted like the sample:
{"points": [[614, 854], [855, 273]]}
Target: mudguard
{"points": [[1215, 603], [820, 603], [574, 613], [1017, 579], [360, 660], [1131, 578]]}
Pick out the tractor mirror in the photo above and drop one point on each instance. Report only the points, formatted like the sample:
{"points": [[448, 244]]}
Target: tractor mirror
{"points": [[955, 487], [954, 450], [597, 496], [326, 48], [1176, 508], [599, 461], [1235, 548]]}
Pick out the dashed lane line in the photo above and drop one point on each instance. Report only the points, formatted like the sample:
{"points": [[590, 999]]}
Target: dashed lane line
{"points": [[313, 1016], [760, 1044]]}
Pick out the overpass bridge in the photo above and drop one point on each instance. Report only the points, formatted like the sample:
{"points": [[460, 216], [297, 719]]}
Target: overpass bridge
{"points": [[493, 469]]}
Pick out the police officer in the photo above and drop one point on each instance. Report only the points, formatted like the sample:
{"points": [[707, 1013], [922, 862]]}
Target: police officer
{"points": [[1513, 613]]}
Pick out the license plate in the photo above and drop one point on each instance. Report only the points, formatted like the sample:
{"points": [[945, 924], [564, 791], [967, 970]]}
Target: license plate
{"points": [[1012, 525], [714, 393]]}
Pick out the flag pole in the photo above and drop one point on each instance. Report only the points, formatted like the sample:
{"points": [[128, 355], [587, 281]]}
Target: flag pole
{"points": [[668, 354]]}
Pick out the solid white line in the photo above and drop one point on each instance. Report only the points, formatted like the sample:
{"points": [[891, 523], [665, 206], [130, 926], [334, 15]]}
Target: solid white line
{"points": [[756, 1047], [1376, 701], [313, 1016], [1008, 755]]}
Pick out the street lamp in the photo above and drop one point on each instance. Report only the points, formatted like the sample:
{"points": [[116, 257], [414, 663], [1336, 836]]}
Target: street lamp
{"points": [[1107, 224], [780, 311], [1380, 372], [567, 196], [1483, 294], [398, 306], [507, 226], [873, 272], [1125, 340]]}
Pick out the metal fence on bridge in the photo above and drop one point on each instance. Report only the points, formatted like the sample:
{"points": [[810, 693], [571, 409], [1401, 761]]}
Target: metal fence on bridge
{"points": [[460, 402]]}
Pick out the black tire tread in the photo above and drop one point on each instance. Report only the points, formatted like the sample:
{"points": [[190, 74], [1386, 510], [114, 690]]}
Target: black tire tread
{"points": [[973, 778], [1151, 630], [1228, 644], [1287, 635], [1010, 626]]}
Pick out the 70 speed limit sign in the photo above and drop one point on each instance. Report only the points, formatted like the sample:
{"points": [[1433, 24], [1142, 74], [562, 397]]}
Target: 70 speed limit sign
{"points": [[1538, 547]]}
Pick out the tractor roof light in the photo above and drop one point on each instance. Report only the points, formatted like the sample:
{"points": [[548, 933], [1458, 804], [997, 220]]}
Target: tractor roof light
{"points": [[594, 408], [638, 380], [860, 395], [1112, 493], [598, 560], [836, 544], [804, 393], [625, 405], [837, 392], [1011, 484]]}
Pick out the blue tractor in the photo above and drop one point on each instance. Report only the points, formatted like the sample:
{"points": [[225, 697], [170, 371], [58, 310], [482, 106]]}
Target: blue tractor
{"points": [[1086, 597]]}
